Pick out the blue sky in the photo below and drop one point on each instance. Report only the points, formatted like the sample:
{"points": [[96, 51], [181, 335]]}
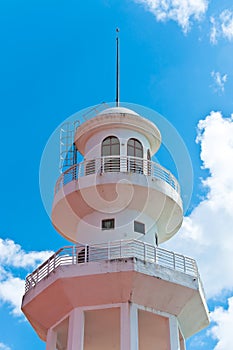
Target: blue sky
{"points": [[57, 58]]}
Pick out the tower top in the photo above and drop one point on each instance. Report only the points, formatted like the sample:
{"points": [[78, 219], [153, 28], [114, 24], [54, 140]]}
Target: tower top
{"points": [[117, 118], [120, 110]]}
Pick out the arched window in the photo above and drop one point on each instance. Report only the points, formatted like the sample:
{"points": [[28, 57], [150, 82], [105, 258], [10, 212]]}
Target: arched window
{"points": [[134, 148], [134, 151], [110, 149], [110, 146]]}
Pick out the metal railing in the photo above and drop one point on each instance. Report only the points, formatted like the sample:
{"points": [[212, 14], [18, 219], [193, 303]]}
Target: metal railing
{"points": [[79, 254], [123, 164]]}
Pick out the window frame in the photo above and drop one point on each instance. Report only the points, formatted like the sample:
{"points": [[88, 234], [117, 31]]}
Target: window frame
{"points": [[112, 220], [134, 147], [110, 146], [141, 225]]}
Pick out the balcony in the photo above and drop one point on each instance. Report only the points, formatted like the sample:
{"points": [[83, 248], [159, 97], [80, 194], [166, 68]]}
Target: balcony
{"points": [[111, 274], [117, 164], [118, 250]]}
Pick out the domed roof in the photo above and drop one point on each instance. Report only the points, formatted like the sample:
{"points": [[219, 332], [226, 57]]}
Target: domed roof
{"points": [[116, 110], [121, 118]]}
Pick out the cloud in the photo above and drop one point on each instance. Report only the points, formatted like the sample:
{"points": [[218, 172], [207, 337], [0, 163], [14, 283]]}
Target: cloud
{"points": [[11, 292], [13, 257], [222, 26], [214, 31], [206, 234], [12, 254], [226, 18], [4, 347], [180, 11], [219, 81], [222, 329]]}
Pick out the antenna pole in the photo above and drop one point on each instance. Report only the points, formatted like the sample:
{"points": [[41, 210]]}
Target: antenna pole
{"points": [[117, 70]]}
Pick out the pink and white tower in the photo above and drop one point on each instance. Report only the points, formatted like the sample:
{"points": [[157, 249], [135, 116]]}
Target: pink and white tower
{"points": [[115, 288]]}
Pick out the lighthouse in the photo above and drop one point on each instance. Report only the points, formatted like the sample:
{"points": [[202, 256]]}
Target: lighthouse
{"points": [[113, 287]]}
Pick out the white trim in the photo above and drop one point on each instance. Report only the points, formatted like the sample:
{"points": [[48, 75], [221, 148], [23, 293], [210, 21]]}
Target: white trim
{"points": [[134, 334], [174, 333], [125, 328], [76, 330], [154, 311], [129, 326], [60, 321], [99, 307], [51, 339]]}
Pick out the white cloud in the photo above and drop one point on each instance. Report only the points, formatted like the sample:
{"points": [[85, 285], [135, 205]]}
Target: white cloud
{"points": [[222, 330], [226, 18], [219, 81], [222, 26], [214, 31], [12, 257], [4, 347], [181, 11], [11, 292], [206, 234], [12, 254]]}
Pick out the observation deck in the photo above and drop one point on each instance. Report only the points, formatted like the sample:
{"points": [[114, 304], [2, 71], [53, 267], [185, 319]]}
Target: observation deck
{"points": [[77, 254], [121, 271], [114, 164], [113, 184]]}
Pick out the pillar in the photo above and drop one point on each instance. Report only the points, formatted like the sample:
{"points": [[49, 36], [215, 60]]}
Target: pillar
{"points": [[174, 333], [129, 326], [76, 330], [51, 339]]}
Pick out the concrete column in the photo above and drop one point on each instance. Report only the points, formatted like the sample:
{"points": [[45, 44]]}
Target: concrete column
{"points": [[133, 327], [76, 330], [129, 327], [51, 339], [174, 333], [125, 327]]}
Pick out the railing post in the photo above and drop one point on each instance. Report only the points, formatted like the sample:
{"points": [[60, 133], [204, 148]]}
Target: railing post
{"points": [[109, 253], [79, 170], [155, 251], [144, 251], [76, 171], [76, 254], [48, 266], [174, 260], [184, 260], [102, 165], [73, 255], [85, 258]]}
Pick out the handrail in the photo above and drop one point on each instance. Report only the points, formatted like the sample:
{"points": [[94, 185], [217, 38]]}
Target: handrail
{"points": [[79, 254], [122, 164]]}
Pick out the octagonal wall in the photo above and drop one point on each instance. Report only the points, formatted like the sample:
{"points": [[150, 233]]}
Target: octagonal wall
{"points": [[106, 283]]}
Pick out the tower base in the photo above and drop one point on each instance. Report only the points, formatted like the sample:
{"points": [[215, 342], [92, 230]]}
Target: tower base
{"points": [[125, 326]]}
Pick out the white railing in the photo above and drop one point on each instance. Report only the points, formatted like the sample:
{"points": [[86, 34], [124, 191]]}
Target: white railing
{"points": [[115, 164], [79, 254]]}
